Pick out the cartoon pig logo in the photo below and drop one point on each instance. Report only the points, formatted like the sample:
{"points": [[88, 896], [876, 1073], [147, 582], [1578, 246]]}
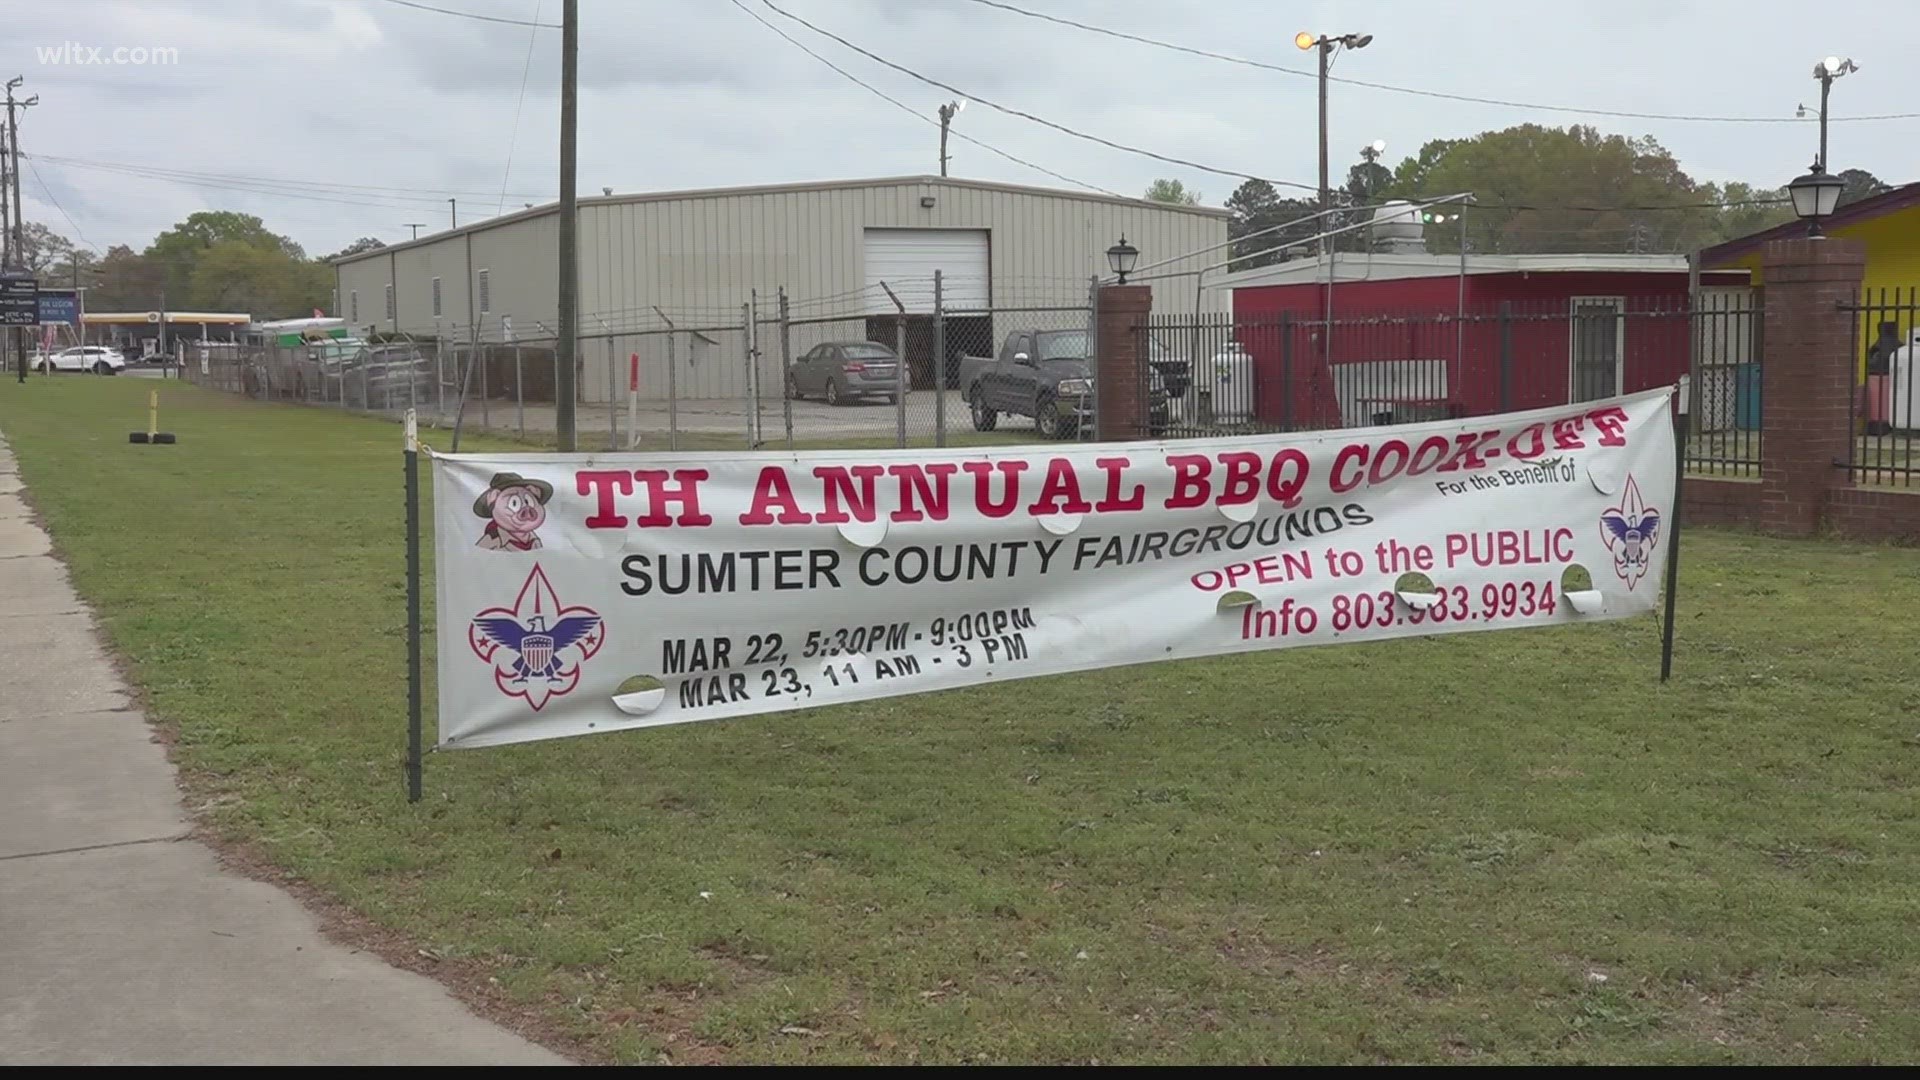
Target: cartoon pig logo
{"points": [[514, 507]]}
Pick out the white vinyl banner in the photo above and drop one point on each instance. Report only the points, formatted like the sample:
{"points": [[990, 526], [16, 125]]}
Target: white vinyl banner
{"points": [[587, 593]]}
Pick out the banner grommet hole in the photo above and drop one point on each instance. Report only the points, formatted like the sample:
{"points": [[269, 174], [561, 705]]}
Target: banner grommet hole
{"points": [[638, 695], [1060, 524], [1576, 586], [1416, 590]]}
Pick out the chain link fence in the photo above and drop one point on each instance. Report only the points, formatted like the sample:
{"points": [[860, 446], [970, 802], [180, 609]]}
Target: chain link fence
{"points": [[875, 367]]}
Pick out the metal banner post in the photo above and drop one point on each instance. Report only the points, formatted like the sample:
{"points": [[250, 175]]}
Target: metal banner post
{"points": [[939, 365], [413, 765], [1673, 545]]}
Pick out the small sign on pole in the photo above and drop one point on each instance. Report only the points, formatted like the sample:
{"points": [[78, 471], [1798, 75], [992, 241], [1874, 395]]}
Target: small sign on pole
{"points": [[19, 299]]}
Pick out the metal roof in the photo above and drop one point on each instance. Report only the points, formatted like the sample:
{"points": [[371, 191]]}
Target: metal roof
{"points": [[1359, 266], [1887, 202], [778, 189]]}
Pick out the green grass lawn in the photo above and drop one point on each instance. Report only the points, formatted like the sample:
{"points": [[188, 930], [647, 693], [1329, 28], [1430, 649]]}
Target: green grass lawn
{"points": [[1493, 847]]}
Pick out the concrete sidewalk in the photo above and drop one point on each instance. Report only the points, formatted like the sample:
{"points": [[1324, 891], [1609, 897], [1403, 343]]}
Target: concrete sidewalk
{"points": [[124, 942]]}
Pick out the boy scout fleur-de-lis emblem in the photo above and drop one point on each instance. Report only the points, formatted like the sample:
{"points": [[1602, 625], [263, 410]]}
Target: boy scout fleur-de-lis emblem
{"points": [[1630, 530], [536, 646]]}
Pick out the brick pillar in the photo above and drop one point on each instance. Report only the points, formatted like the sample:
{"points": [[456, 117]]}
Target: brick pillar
{"points": [[1807, 378], [1119, 371]]}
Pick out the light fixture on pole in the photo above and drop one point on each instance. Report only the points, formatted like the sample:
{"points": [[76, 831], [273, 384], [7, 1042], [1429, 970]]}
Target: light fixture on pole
{"points": [[1121, 258], [1827, 70], [947, 112], [1815, 195], [1326, 45]]}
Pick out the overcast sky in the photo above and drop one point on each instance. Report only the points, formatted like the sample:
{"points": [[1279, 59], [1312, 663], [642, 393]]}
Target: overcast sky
{"points": [[375, 112]]}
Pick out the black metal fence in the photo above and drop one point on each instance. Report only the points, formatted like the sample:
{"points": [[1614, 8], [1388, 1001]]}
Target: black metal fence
{"points": [[1886, 442], [1222, 374]]}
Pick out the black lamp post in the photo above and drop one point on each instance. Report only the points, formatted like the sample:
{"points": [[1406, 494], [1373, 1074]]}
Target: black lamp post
{"points": [[1815, 196], [1122, 257]]}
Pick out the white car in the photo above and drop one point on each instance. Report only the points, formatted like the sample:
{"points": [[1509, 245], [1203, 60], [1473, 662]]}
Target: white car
{"points": [[94, 358]]}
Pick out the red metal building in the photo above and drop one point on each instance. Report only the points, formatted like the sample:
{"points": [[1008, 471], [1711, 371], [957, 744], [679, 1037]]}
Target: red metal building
{"points": [[1412, 336]]}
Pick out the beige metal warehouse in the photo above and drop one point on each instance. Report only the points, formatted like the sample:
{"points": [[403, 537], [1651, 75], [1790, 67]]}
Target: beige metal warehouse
{"points": [[696, 257]]}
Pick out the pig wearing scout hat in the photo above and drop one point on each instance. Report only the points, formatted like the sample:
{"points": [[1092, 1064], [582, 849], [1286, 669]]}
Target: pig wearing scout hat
{"points": [[514, 507]]}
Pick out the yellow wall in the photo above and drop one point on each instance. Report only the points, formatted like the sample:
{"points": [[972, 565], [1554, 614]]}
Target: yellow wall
{"points": [[1893, 264]]}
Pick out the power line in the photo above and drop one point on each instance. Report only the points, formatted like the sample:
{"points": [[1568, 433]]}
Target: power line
{"points": [[1183, 162], [412, 191], [911, 111], [392, 202], [471, 15], [48, 192], [513, 133], [1444, 95]]}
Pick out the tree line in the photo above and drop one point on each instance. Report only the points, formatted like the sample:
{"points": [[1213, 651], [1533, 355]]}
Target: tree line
{"points": [[1536, 190], [215, 260]]}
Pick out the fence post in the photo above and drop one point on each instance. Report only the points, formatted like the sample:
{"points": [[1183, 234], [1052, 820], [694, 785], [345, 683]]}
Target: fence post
{"points": [[939, 363], [673, 392], [613, 393], [480, 357], [786, 365], [1093, 351], [519, 393], [753, 399], [1286, 369], [1506, 355], [900, 381]]}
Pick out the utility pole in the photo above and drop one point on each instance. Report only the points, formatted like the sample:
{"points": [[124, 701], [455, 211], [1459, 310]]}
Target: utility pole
{"points": [[6, 185], [1326, 194], [13, 137], [566, 347], [1325, 45], [1827, 70], [415, 226], [453, 214], [19, 249], [947, 112]]}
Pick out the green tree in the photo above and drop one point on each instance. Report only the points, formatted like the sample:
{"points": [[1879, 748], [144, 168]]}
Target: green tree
{"points": [[124, 281], [1541, 189], [177, 251], [1172, 191], [41, 249], [265, 282], [365, 243], [1860, 184], [1746, 209], [1254, 208]]}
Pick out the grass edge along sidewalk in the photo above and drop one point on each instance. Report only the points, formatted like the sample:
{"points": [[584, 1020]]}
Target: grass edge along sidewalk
{"points": [[1499, 847]]}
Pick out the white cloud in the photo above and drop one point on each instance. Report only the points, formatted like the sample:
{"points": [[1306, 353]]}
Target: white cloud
{"points": [[694, 93]]}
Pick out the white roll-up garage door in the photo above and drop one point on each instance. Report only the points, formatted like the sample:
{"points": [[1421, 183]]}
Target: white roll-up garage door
{"points": [[906, 258]]}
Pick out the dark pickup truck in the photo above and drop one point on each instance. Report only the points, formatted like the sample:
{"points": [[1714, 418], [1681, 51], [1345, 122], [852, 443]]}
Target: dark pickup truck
{"points": [[1045, 374]]}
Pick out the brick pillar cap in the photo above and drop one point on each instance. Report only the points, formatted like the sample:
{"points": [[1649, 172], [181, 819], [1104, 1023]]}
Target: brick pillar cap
{"points": [[1808, 251]]}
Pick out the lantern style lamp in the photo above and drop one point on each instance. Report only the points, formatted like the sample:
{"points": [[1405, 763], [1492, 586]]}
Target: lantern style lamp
{"points": [[1122, 256], [1815, 196]]}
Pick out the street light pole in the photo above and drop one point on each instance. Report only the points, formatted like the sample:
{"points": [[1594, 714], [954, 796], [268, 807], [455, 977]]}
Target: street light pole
{"points": [[453, 214], [1826, 71], [568, 331], [1325, 44], [1326, 195], [947, 112]]}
